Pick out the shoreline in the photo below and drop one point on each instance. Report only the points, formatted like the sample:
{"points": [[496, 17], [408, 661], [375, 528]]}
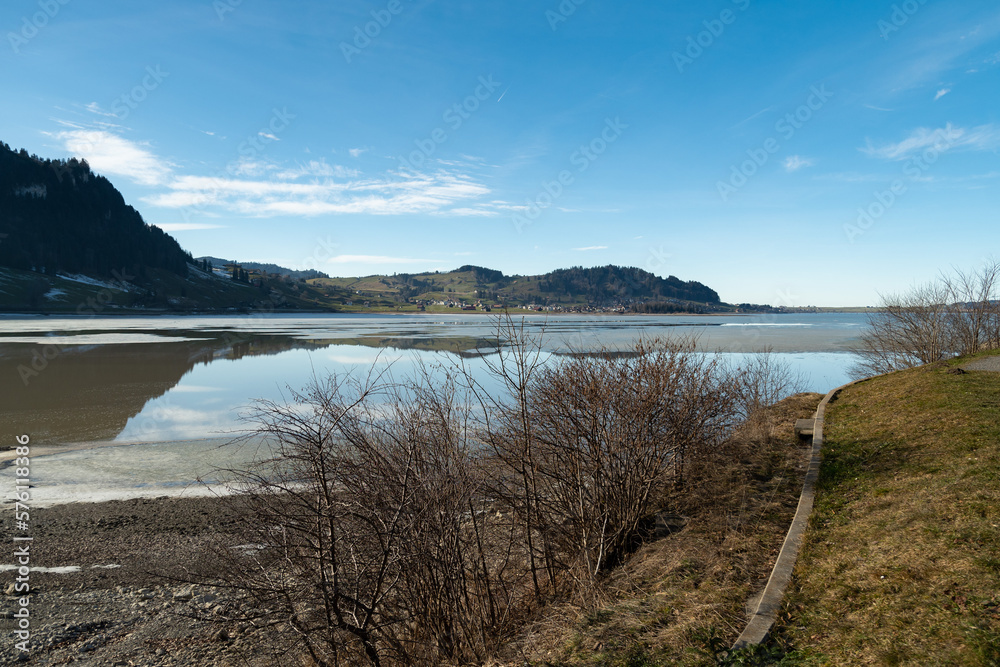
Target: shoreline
{"points": [[18, 315]]}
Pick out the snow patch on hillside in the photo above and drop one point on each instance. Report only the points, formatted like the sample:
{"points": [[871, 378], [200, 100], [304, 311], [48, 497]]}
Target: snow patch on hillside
{"points": [[87, 280]]}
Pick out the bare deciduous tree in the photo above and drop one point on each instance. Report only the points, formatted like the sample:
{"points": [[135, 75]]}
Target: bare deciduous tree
{"points": [[958, 314], [760, 380], [609, 434], [974, 314]]}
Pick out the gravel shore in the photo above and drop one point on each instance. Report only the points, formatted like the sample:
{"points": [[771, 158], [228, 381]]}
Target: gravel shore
{"points": [[127, 604]]}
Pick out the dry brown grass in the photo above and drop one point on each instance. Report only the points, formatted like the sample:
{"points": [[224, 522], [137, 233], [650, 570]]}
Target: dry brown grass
{"points": [[902, 560], [651, 609]]}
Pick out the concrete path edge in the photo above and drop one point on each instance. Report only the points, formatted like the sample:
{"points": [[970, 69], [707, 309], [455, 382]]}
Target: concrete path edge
{"points": [[766, 614]]}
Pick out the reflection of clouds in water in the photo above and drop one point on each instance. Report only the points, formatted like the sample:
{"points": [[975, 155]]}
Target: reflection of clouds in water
{"points": [[212, 396], [350, 355], [158, 422]]}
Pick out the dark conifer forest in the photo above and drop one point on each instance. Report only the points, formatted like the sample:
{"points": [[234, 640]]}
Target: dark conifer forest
{"points": [[57, 216]]}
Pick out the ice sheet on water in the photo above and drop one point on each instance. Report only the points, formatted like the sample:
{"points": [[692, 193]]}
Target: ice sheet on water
{"points": [[190, 468], [97, 339]]}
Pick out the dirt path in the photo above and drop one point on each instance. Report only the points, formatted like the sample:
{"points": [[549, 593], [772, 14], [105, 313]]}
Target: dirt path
{"points": [[990, 364]]}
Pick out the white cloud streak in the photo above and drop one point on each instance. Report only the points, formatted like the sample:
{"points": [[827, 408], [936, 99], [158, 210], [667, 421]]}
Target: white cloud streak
{"points": [[108, 153], [376, 259], [257, 187], [796, 162], [949, 137], [186, 226]]}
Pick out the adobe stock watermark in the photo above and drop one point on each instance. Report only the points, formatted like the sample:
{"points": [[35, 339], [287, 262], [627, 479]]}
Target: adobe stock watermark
{"points": [[42, 355], [562, 13], [127, 103], [365, 34], [656, 260], [581, 158], [913, 169], [321, 254], [223, 7], [454, 117], [751, 338], [900, 16], [786, 127], [32, 25], [714, 28], [248, 149]]}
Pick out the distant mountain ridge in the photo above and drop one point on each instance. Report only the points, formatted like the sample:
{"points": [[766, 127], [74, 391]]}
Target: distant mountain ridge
{"points": [[261, 266]]}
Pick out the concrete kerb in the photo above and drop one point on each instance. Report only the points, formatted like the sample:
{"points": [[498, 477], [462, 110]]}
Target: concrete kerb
{"points": [[766, 613]]}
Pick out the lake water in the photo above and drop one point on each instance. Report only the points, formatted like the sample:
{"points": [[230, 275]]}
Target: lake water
{"points": [[161, 395]]}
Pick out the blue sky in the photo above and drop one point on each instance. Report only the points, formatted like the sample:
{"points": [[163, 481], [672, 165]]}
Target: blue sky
{"points": [[781, 152]]}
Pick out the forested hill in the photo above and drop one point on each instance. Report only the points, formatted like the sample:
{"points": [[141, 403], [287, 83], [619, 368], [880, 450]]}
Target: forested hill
{"points": [[599, 287], [57, 216], [616, 283]]}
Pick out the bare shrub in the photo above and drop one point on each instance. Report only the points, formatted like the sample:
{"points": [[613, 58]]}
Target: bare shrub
{"points": [[422, 522], [958, 314], [607, 436], [907, 330], [759, 381], [372, 540], [975, 313]]}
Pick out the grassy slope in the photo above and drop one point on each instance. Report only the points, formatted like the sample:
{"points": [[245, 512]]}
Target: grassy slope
{"points": [[663, 604], [902, 560], [198, 291], [460, 286]]}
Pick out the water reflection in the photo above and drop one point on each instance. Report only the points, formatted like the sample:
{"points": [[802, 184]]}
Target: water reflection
{"points": [[60, 392], [128, 380]]}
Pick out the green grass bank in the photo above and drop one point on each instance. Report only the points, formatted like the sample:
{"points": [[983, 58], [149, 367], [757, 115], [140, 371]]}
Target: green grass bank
{"points": [[901, 564]]}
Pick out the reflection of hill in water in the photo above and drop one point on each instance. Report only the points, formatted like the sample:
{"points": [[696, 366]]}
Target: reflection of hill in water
{"points": [[87, 393], [463, 346]]}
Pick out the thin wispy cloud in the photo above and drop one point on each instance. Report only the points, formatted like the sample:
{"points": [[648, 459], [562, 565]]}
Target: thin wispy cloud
{"points": [[796, 162], [357, 152], [108, 153], [750, 118], [949, 137], [413, 193], [376, 259], [928, 60], [186, 226], [941, 93], [95, 108], [262, 188], [268, 135], [316, 169], [472, 212]]}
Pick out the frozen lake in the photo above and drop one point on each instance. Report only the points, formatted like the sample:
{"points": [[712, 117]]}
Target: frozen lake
{"points": [[162, 394]]}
